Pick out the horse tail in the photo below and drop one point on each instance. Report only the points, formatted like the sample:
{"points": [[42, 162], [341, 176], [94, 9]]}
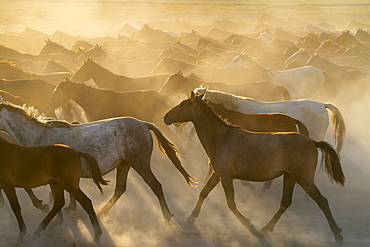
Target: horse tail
{"points": [[337, 122], [169, 149], [284, 92], [94, 169], [332, 164], [302, 128]]}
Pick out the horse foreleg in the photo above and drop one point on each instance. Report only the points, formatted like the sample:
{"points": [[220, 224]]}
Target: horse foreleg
{"points": [[286, 201], [59, 202], [322, 202], [227, 184], [156, 186], [213, 180], [37, 202], [14, 203], [121, 181]]}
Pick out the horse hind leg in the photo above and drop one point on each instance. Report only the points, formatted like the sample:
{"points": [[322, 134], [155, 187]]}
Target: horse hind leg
{"points": [[14, 203], [86, 204], [323, 203], [146, 173], [286, 201], [121, 181]]}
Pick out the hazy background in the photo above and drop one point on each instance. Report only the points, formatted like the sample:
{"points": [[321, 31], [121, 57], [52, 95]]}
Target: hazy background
{"points": [[136, 219]]}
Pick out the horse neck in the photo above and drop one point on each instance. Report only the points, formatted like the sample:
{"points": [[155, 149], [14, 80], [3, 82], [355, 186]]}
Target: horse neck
{"points": [[209, 128], [87, 97], [102, 76], [23, 130], [189, 84]]}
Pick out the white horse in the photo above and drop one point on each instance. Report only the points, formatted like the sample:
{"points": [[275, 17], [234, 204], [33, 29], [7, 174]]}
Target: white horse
{"points": [[312, 114], [116, 143], [302, 82]]}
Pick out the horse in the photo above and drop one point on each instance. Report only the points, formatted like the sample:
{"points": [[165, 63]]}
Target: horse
{"points": [[53, 47], [302, 82], [51, 66], [312, 114], [227, 75], [36, 93], [262, 122], [104, 78], [178, 84], [234, 153], [55, 164], [116, 143], [9, 52], [11, 72], [99, 104]]}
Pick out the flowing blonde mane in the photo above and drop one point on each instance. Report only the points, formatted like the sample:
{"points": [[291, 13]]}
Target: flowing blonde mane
{"points": [[218, 97]]}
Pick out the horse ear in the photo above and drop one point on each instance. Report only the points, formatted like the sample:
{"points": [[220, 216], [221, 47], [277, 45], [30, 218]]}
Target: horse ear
{"points": [[192, 96], [201, 96]]}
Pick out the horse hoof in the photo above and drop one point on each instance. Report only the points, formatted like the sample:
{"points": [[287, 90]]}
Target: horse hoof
{"points": [[255, 232], [264, 231], [339, 238], [45, 208], [190, 220], [70, 209], [102, 214]]}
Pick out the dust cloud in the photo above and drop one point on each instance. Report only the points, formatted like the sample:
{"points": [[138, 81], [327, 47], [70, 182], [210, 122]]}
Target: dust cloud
{"points": [[136, 218]]}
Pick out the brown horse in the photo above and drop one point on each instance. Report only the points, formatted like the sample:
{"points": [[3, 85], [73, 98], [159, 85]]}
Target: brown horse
{"points": [[57, 165], [104, 78], [238, 154], [262, 122]]}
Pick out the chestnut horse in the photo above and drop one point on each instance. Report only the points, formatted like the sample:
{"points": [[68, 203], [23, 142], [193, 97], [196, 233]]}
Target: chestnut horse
{"points": [[58, 165], [262, 122], [235, 153]]}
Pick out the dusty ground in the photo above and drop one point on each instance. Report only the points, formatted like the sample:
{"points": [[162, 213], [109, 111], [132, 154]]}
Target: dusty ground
{"points": [[136, 219]]}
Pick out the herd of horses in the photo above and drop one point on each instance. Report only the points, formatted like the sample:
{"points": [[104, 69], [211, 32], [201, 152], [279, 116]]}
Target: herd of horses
{"points": [[254, 100]]}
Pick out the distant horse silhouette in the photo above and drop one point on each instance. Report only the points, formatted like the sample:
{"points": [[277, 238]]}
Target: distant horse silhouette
{"points": [[57, 164], [234, 153], [146, 105], [53, 47], [301, 83], [10, 72], [117, 143], [178, 84], [104, 78], [51, 67]]}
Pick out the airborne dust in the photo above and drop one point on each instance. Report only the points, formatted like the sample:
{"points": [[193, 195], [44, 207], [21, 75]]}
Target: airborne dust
{"points": [[136, 218]]}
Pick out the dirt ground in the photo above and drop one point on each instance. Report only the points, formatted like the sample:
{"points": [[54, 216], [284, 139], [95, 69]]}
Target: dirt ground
{"points": [[136, 219]]}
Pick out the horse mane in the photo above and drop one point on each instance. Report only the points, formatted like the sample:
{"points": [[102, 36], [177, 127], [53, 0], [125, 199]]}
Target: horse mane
{"points": [[218, 97], [209, 112], [32, 114]]}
